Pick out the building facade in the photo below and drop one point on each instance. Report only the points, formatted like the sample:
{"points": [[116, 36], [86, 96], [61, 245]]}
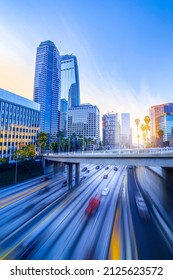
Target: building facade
{"points": [[19, 122], [63, 116], [84, 120], [70, 89], [110, 131], [155, 113], [47, 86], [166, 125], [125, 130]]}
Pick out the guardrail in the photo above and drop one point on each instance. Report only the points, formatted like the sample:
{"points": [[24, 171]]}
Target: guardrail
{"points": [[165, 150]]}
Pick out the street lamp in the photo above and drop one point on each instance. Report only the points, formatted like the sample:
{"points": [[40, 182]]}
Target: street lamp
{"points": [[16, 170]]}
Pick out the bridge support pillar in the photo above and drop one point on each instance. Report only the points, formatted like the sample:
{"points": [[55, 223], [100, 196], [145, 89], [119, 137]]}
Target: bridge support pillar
{"points": [[167, 173], [48, 166], [77, 175], [58, 168], [69, 176]]}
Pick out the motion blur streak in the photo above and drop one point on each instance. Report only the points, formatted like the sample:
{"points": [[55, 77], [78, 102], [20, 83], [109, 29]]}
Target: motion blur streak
{"points": [[115, 252]]}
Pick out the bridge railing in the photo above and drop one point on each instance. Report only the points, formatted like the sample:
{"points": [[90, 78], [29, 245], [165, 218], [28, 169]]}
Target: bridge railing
{"points": [[164, 150]]}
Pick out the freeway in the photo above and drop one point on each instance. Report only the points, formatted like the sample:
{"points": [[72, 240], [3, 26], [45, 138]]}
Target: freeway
{"points": [[42, 219]]}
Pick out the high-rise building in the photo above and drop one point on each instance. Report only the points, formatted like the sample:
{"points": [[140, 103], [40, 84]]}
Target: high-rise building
{"points": [[125, 130], [110, 131], [166, 125], [63, 116], [155, 113], [84, 120], [70, 89], [47, 86], [19, 122]]}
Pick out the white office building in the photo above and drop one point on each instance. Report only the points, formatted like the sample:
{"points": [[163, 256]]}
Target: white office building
{"points": [[84, 120]]}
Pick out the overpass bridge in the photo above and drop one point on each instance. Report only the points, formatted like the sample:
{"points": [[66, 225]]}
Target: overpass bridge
{"points": [[162, 157]]}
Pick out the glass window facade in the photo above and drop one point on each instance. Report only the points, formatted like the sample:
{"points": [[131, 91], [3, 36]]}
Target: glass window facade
{"points": [[70, 89], [47, 86], [19, 122], [166, 125], [84, 120], [110, 131]]}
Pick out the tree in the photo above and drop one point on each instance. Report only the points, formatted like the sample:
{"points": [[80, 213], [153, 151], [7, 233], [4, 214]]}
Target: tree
{"points": [[137, 121], [41, 140], [60, 136], [160, 134], [145, 128], [54, 146]]}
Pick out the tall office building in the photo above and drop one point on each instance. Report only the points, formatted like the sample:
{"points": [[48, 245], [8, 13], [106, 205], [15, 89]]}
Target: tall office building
{"points": [[84, 120], [125, 130], [63, 116], [47, 86], [155, 113], [110, 130], [19, 122], [166, 125], [70, 89]]}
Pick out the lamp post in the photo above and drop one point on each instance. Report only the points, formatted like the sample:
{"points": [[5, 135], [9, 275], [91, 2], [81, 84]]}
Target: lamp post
{"points": [[16, 170]]}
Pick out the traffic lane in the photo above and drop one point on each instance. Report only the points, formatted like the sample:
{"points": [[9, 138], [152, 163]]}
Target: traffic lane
{"points": [[150, 242], [82, 189], [99, 224]]}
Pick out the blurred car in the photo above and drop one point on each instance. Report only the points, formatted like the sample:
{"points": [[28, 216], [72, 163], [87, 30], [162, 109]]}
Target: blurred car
{"points": [[115, 168], [82, 178], [107, 168], [97, 167], [142, 207], [105, 191], [92, 205], [87, 171], [64, 183], [84, 169], [44, 179], [105, 176]]}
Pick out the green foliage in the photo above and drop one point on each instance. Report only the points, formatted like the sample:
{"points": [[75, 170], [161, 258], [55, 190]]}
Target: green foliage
{"points": [[41, 140], [4, 160], [27, 151]]}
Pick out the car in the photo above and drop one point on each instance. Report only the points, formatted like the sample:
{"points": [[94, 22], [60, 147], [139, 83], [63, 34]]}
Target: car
{"points": [[105, 176], [97, 167], [82, 178], [115, 168], [92, 205], [142, 207], [64, 183], [84, 169], [105, 191], [87, 171], [107, 168]]}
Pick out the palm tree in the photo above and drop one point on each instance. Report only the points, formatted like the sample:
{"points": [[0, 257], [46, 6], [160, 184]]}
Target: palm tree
{"points": [[147, 127], [160, 134], [60, 136], [137, 121], [41, 140]]}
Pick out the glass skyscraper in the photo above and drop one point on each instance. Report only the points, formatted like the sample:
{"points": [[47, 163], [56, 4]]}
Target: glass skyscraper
{"points": [[47, 86], [155, 113], [70, 89], [125, 130]]}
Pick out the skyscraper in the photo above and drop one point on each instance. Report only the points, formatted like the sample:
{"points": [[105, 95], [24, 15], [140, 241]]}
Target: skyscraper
{"points": [[125, 130], [63, 116], [47, 86], [84, 120], [155, 113], [110, 128], [70, 89]]}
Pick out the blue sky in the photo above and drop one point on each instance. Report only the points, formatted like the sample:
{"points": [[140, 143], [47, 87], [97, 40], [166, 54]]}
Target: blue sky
{"points": [[124, 48]]}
